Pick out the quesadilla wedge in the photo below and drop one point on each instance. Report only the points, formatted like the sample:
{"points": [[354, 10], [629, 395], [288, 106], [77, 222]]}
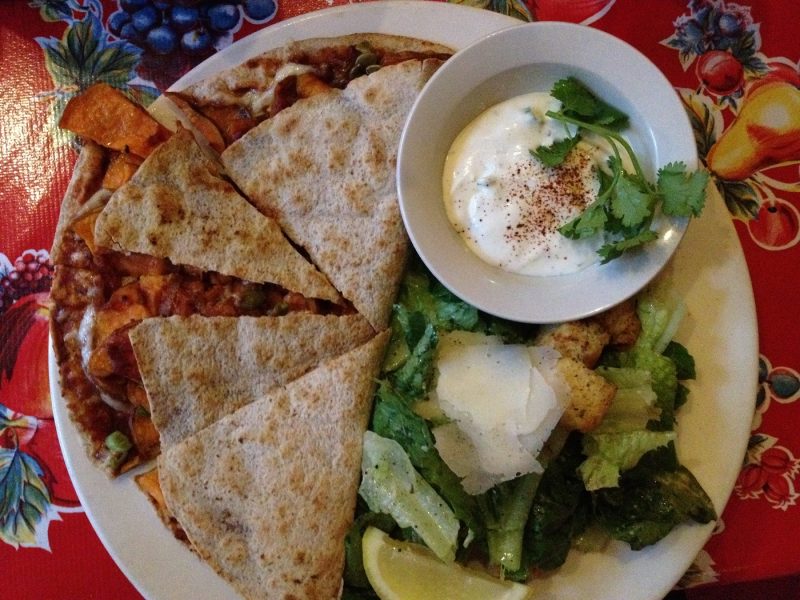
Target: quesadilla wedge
{"points": [[199, 369], [236, 99], [178, 206], [324, 168], [251, 489]]}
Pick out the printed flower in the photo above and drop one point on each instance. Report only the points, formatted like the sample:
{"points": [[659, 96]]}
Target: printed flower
{"points": [[769, 472], [700, 572], [726, 29]]}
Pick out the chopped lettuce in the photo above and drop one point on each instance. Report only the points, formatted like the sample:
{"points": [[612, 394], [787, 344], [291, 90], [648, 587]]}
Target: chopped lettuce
{"points": [[393, 418], [652, 499], [561, 510], [621, 481], [391, 485], [413, 377], [609, 454], [622, 438], [354, 574], [505, 508]]}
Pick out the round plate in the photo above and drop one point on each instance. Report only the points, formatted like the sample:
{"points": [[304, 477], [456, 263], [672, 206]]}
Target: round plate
{"points": [[506, 64], [709, 272]]}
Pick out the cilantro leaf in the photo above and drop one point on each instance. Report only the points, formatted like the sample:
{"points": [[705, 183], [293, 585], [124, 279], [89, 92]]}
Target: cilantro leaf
{"points": [[588, 223], [578, 101], [554, 154], [683, 194], [613, 250], [631, 204]]}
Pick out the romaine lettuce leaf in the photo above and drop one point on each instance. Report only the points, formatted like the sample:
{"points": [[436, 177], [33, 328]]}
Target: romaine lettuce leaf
{"points": [[561, 509], [650, 502], [505, 508], [393, 418], [391, 485], [609, 454]]}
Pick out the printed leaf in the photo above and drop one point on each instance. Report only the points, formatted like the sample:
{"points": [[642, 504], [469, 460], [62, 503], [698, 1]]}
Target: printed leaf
{"points": [[83, 56], [52, 11], [513, 8], [741, 199], [24, 499]]}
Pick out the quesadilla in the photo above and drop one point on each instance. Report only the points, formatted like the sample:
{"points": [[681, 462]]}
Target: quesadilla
{"points": [[225, 106], [250, 490], [178, 206], [324, 169], [197, 370]]}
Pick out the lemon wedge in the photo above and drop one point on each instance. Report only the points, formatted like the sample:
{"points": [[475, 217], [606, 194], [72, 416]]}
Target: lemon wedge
{"points": [[405, 571]]}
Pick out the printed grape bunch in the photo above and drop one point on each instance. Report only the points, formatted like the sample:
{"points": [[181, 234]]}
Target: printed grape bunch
{"points": [[190, 27], [31, 272]]}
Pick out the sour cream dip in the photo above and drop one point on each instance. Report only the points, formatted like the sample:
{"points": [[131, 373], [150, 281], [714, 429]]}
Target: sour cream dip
{"points": [[505, 204]]}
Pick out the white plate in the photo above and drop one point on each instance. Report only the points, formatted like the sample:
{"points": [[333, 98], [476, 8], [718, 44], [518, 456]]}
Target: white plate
{"points": [[720, 330]]}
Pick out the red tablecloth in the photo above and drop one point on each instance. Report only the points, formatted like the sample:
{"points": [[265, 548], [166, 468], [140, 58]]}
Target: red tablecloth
{"points": [[736, 66]]}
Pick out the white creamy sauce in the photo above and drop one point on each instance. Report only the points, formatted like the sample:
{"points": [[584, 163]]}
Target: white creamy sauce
{"points": [[505, 204]]}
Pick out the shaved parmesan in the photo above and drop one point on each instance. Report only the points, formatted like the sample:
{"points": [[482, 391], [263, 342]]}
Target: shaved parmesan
{"points": [[502, 403]]}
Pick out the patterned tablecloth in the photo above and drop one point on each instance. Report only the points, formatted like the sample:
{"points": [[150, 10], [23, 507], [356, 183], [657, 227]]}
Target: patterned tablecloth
{"points": [[735, 66]]}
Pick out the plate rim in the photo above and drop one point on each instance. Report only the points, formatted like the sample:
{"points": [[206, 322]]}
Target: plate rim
{"points": [[93, 487]]}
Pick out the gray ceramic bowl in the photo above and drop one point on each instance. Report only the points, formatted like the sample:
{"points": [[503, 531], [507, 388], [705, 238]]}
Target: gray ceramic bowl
{"points": [[518, 60]]}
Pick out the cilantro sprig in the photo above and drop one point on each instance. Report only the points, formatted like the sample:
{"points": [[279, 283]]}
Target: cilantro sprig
{"points": [[627, 201]]}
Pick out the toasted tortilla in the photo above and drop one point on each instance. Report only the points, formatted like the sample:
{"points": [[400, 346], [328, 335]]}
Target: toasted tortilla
{"points": [[324, 168], [178, 206], [267, 494], [85, 182], [258, 74], [198, 369]]}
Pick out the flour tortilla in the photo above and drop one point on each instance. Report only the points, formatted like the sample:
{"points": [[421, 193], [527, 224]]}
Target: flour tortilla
{"points": [[266, 495], [86, 180], [324, 168], [198, 369], [177, 206]]}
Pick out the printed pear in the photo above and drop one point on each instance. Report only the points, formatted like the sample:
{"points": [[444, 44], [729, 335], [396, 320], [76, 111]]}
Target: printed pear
{"points": [[766, 131]]}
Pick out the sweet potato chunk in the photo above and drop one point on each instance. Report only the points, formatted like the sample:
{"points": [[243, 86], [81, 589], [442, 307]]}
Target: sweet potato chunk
{"points": [[84, 227], [121, 168], [144, 433], [106, 116], [201, 123], [309, 85]]}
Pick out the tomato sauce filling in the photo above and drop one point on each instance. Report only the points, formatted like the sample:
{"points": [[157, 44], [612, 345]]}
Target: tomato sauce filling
{"points": [[100, 297]]}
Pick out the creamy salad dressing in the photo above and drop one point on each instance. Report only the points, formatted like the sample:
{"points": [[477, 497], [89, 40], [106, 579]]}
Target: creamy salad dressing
{"points": [[505, 204]]}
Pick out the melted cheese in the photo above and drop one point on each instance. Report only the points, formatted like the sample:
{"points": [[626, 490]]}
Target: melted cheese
{"points": [[258, 101]]}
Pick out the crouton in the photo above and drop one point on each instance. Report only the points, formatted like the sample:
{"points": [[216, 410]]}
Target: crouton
{"points": [[622, 324], [580, 340], [590, 395]]}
